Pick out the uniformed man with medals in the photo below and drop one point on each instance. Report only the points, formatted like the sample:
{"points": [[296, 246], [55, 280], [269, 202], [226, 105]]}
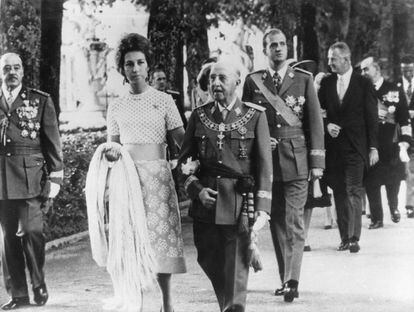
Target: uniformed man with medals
{"points": [[297, 141], [31, 171], [231, 187], [394, 136]]}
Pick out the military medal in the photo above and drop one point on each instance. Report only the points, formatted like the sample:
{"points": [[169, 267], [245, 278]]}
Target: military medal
{"points": [[242, 145], [220, 136]]}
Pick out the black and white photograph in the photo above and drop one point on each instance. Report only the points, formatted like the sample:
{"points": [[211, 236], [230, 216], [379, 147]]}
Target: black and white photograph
{"points": [[206, 155]]}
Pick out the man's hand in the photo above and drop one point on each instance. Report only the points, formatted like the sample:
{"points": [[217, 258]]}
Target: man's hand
{"points": [[261, 219], [208, 197], [54, 189], [316, 173], [411, 112], [333, 129], [373, 156], [273, 143]]}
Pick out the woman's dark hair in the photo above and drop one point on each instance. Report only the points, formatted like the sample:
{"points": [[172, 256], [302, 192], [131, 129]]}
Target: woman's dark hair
{"points": [[131, 42]]}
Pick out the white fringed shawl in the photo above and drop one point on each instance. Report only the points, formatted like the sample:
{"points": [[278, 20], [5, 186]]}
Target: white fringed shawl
{"points": [[127, 253]]}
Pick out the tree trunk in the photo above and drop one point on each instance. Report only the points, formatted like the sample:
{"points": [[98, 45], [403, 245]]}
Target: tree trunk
{"points": [[164, 32], [308, 36], [51, 39]]}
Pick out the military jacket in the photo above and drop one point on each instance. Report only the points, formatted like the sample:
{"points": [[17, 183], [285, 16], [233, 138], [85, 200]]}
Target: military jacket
{"points": [[30, 146], [300, 146], [240, 142], [396, 126]]}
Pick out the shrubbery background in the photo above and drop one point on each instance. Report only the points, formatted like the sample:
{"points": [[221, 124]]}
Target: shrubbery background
{"points": [[67, 215]]}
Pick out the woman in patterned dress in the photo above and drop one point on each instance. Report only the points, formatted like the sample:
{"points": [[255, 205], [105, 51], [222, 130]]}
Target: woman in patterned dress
{"points": [[139, 121]]}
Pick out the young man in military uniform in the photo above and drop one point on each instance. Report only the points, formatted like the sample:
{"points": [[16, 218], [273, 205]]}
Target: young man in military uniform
{"points": [[394, 136], [230, 140], [297, 142], [30, 172]]}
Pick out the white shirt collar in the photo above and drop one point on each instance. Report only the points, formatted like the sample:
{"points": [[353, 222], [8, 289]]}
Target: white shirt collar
{"points": [[406, 82], [379, 83], [346, 77], [15, 91], [281, 72], [229, 107]]}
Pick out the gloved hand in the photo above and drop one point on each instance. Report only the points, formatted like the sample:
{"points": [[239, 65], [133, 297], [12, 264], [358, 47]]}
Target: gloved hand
{"points": [[54, 189], [261, 220], [403, 152], [190, 166]]}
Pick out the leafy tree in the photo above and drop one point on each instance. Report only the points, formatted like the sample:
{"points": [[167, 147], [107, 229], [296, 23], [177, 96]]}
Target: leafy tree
{"points": [[20, 33]]}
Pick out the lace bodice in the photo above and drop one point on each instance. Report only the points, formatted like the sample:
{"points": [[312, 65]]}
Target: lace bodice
{"points": [[143, 118]]}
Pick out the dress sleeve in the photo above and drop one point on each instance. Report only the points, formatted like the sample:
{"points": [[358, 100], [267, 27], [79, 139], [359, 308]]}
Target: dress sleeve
{"points": [[172, 116], [112, 125]]}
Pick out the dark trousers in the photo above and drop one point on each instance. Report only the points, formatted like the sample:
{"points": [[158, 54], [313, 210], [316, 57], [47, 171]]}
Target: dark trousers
{"points": [[26, 248], [222, 255], [287, 226], [374, 199], [346, 181]]}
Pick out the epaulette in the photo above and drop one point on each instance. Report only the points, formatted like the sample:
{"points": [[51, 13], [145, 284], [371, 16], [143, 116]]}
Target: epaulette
{"points": [[173, 92], [260, 71], [202, 105], [255, 106], [302, 71], [41, 92]]}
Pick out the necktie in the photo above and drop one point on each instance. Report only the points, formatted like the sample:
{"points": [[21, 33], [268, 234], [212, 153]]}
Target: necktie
{"points": [[277, 80], [409, 91], [341, 88], [224, 113], [9, 100]]}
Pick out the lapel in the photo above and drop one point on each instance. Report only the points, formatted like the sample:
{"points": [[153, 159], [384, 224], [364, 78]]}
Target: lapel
{"points": [[334, 92], [287, 81], [3, 104], [235, 113], [19, 99], [268, 82]]}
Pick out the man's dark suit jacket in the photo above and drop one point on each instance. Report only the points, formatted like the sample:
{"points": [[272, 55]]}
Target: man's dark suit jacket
{"points": [[357, 116]]}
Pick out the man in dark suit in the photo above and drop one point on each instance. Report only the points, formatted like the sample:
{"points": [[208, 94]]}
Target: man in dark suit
{"points": [[230, 140], [352, 125], [297, 141], [31, 170], [395, 135], [407, 84]]}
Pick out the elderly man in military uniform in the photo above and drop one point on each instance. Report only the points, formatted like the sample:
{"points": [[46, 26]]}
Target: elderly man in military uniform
{"points": [[394, 136], [297, 142], [230, 140], [30, 172]]}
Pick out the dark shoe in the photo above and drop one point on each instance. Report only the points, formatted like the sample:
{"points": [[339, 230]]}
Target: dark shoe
{"points": [[376, 225], [327, 227], [410, 211], [343, 246], [290, 293], [354, 247], [40, 295], [395, 216], [16, 303], [279, 291], [307, 248]]}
